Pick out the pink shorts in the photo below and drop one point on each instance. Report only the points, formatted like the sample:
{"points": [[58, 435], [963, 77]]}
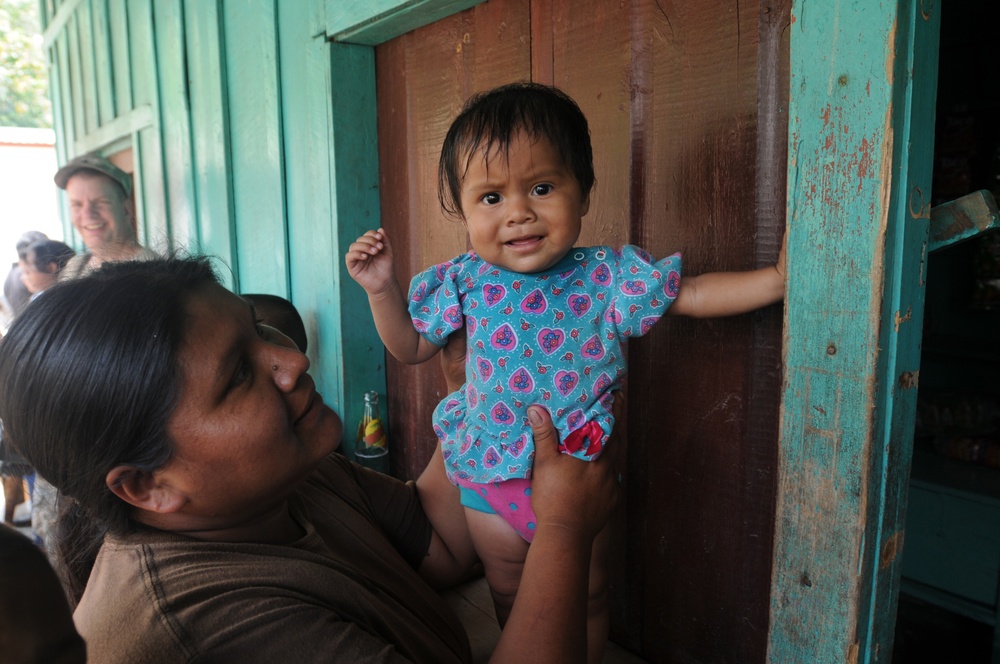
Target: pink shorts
{"points": [[511, 499]]}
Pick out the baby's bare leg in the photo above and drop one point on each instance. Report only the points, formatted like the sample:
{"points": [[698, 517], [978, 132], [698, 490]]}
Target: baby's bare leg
{"points": [[502, 552], [451, 558]]}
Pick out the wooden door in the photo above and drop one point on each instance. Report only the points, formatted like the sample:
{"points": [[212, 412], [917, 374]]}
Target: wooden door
{"points": [[674, 94]]}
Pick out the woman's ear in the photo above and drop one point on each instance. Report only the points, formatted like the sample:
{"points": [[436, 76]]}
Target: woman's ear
{"points": [[140, 488], [585, 205]]}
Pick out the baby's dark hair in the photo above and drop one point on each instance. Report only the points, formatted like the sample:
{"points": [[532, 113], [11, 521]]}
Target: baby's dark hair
{"points": [[48, 252], [491, 120]]}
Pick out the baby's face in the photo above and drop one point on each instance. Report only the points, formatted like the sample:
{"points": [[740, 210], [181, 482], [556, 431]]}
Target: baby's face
{"points": [[523, 213]]}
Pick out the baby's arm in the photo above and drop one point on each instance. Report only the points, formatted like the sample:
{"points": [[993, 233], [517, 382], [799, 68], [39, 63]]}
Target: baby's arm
{"points": [[369, 262], [715, 294]]}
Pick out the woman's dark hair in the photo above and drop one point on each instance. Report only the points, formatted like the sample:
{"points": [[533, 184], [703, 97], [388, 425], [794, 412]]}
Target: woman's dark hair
{"points": [[47, 252], [89, 377], [491, 120]]}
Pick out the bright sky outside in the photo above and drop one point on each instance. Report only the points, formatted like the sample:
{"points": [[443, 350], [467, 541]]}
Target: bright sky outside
{"points": [[29, 200]]}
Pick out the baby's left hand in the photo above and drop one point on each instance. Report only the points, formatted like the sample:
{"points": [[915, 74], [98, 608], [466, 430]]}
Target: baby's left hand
{"points": [[369, 262]]}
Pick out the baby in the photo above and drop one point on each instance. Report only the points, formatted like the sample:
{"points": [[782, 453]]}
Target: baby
{"points": [[546, 321]]}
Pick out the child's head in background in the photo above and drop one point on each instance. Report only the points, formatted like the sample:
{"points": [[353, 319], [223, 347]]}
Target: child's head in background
{"points": [[279, 313], [43, 261]]}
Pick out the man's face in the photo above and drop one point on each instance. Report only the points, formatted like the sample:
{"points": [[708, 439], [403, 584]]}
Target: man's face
{"points": [[99, 211]]}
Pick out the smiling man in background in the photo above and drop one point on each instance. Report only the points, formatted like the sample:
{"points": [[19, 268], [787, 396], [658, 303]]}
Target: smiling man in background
{"points": [[100, 205]]}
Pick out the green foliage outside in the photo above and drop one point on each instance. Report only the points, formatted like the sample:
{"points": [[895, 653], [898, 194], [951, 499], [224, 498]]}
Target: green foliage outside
{"points": [[24, 94]]}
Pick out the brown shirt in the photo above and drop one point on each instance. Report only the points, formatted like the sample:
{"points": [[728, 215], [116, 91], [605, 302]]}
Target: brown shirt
{"points": [[345, 592]]}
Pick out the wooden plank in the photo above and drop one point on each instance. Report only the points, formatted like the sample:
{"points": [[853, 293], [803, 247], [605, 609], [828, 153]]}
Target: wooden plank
{"points": [[860, 117], [210, 136], [87, 95], [313, 111], [690, 149], [104, 79], [963, 219], [759, 448], [58, 20], [62, 105], [175, 122], [74, 57], [62, 122], [120, 61], [45, 14], [542, 49], [150, 189], [120, 128], [255, 139], [355, 209], [375, 22]]}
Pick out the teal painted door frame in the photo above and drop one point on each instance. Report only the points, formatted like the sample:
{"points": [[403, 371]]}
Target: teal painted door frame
{"points": [[862, 100]]}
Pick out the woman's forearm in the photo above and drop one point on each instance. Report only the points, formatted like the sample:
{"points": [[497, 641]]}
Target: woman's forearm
{"points": [[548, 623]]}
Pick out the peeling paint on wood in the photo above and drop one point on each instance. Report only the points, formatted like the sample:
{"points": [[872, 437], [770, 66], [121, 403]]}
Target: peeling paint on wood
{"points": [[899, 320], [891, 548]]}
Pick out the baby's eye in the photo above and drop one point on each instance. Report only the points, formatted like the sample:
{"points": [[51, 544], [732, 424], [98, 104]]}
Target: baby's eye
{"points": [[541, 189], [260, 328], [491, 198]]}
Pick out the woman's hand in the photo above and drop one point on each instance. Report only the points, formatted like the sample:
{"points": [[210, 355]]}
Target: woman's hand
{"points": [[572, 500], [567, 492]]}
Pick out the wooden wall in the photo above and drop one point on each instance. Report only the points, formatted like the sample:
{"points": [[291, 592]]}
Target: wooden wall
{"points": [[688, 119]]}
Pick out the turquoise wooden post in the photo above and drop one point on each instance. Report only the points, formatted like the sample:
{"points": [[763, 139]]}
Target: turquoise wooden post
{"points": [[863, 78], [356, 209]]}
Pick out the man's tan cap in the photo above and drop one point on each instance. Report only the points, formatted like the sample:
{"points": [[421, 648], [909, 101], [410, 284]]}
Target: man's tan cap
{"points": [[94, 162]]}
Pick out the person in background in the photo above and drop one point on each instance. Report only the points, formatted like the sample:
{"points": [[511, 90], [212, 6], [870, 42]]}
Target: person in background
{"points": [[280, 314], [45, 260], [101, 211], [15, 295], [13, 471], [36, 625]]}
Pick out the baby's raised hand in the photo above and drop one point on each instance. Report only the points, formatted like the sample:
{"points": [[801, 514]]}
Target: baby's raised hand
{"points": [[369, 261]]}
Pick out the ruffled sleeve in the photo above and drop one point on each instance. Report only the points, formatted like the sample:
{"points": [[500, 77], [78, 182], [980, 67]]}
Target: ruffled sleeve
{"points": [[434, 300], [643, 289]]}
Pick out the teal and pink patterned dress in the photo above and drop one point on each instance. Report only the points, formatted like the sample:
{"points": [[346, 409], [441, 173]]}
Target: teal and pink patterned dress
{"points": [[554, 338]]}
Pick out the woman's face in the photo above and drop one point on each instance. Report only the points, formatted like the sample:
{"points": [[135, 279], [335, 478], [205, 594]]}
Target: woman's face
{"points": [[249, 425]]}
